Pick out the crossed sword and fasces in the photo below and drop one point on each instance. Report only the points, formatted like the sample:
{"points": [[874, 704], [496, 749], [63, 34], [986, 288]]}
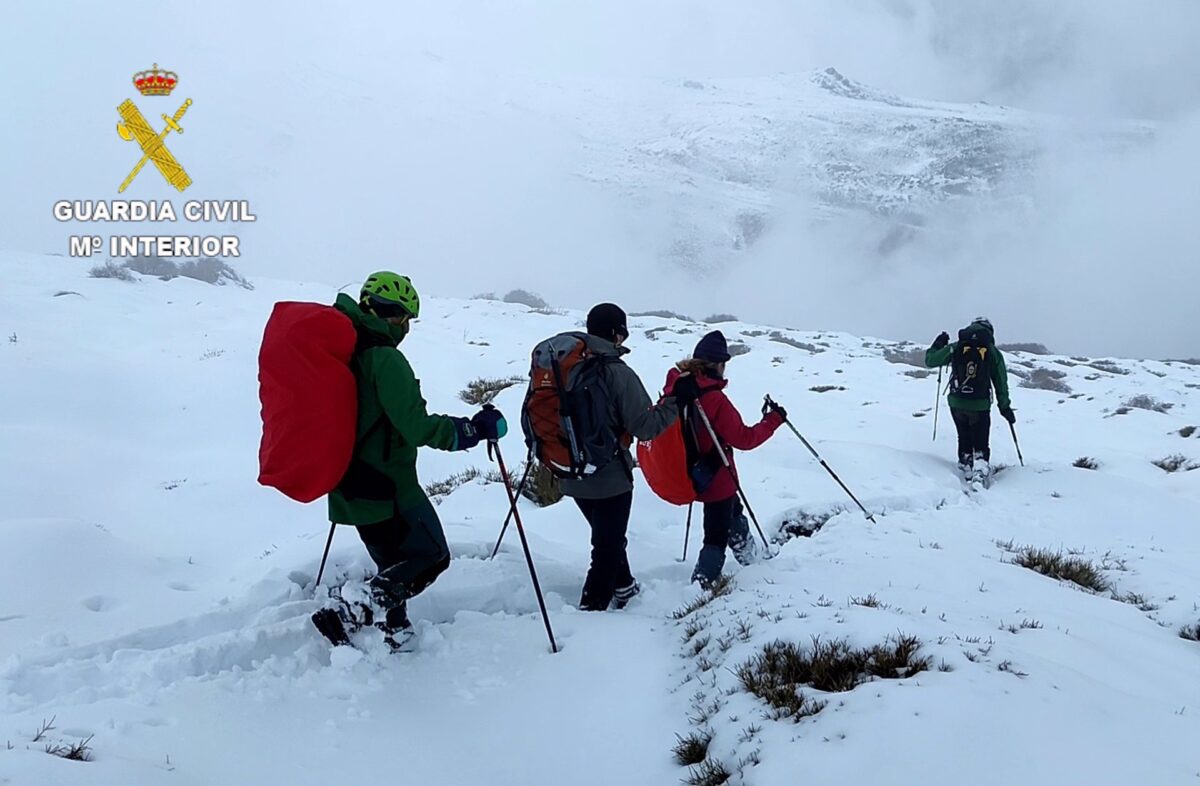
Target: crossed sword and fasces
{"points": [[134, 126]]}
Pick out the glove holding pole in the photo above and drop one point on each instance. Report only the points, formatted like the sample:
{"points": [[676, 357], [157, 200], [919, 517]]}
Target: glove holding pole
{"points": [[772, 405]]}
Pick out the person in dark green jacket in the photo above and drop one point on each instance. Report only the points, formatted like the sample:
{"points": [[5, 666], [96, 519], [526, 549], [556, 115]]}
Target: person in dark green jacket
{"points": [[380, 494], [976, 367]]}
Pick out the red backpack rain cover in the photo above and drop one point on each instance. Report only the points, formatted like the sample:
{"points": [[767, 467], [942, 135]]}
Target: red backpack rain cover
{"points": [[309, 399], [664, 464]]}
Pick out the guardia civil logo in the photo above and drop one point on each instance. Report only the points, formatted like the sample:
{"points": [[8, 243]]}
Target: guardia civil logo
{"points": [[133, 127]]}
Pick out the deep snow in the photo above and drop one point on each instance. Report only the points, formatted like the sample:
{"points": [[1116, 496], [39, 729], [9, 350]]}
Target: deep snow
{"points": [[152, 595]]}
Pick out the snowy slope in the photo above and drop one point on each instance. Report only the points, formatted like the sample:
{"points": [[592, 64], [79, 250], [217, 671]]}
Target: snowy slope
{"points": [[152, 595]]}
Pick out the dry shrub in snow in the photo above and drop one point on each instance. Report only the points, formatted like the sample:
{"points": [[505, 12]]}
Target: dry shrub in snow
{"points": [[111, 270], [662, 313], [908, 357], [1143, 401], [780, 338], [485, 389], [1028, 347], [1046, 379], [525, 298]]}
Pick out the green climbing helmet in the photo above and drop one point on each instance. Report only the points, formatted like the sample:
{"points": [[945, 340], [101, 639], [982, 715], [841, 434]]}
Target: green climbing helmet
{"points": [[390, 295]]}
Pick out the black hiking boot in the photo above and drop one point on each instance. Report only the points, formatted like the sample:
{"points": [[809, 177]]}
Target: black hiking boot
{"points": [[339, 621], [622, 595]]}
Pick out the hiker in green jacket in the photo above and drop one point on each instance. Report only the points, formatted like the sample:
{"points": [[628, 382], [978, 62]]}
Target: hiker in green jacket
{"points": [[380, 495], [976, 366]]}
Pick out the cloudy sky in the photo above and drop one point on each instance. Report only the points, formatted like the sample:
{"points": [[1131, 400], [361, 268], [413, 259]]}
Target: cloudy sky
{"points": [[439, 139]]}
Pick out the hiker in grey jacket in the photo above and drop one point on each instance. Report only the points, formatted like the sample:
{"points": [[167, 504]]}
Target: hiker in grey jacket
{"points": [[605, 498]]}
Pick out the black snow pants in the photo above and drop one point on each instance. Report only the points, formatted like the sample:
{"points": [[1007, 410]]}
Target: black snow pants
{"points": [[609, 571], [410, 551], [725, 525], [974, 431]]}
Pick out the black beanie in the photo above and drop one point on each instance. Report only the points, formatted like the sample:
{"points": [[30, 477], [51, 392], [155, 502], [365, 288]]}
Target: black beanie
{"points": [[712, 348], [607, 321]]}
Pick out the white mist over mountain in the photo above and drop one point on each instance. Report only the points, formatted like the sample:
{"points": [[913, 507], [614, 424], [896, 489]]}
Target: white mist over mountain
{"points": [[628, 151]]}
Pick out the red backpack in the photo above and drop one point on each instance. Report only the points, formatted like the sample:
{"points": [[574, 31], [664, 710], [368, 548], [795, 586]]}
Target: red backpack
{"points": [[664, 464], [309, 399]]}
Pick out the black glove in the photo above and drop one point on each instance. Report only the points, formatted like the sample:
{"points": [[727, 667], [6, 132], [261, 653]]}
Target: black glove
{"points": [[490, 424], [942, 340], [1008, 414], [466, 436], [686, 390], [770, 406]]}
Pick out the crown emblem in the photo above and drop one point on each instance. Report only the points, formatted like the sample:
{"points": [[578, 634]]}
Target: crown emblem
{"points": [[155, 82]]}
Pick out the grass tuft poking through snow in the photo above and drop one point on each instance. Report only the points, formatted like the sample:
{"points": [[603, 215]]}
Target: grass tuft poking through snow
{"points": [[1064, 567], [896, 658], [779, 671], [76, 751], [1136, 599], [720, 588], [1190, 632], [440, 488], [708, 773], [692, 749], [1086, 462], [1176, 462]]}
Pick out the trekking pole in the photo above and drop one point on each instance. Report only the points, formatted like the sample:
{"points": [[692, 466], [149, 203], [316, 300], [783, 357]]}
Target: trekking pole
{"points": [[1013, 429], [508, 518], [687, 531], [737, 484], [494, 452], [817, 456], [324, 556], [937, 402]]}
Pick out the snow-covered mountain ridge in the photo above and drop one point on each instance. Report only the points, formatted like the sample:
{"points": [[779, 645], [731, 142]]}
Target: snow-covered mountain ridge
{"points": [[154, 598], [726, 159]]}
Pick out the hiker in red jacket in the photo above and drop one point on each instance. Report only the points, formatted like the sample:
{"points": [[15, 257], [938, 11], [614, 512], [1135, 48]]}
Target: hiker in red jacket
{"points": [[724, 522]]}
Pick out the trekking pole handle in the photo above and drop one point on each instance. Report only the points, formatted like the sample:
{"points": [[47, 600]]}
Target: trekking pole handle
{"points": [[770, 402]]}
